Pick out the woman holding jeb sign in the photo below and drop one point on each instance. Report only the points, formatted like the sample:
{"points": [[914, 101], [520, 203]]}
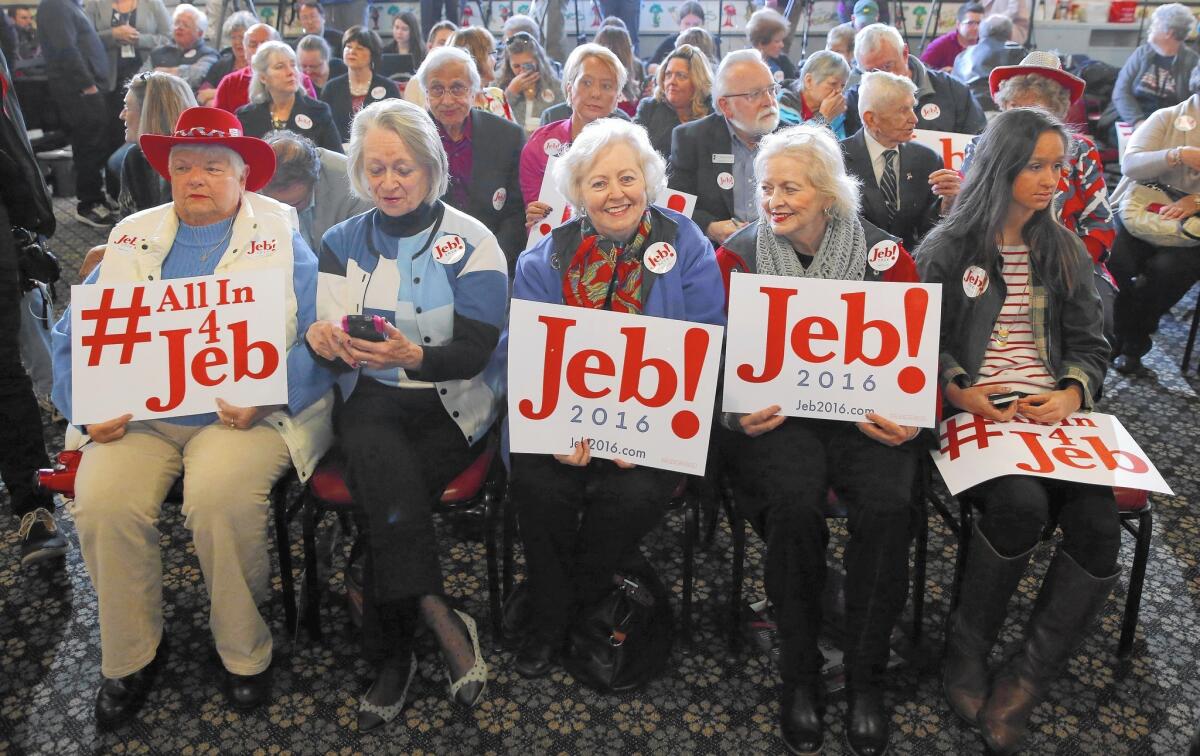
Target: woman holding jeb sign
{"points": [[809, 227], [583, 518], [417, 403], [1021, 335]]}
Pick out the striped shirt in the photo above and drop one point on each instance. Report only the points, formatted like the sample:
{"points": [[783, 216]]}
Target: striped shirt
{"points": [[1012, 357]]}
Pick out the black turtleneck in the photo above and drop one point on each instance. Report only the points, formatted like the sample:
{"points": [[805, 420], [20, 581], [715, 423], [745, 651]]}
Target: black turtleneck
{"points": [[410, 223]]}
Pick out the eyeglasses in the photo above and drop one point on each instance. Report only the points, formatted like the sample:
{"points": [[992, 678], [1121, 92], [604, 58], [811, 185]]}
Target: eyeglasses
{"points": [[457, 91], [756, 94]]}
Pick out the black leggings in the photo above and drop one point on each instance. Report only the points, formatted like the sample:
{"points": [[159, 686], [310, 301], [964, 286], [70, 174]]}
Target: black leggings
{"points": [[1151, 280]]}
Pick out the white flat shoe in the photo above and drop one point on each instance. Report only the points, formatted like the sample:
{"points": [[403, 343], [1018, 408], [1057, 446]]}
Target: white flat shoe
{"points": [[478, 673], [371, 716]]}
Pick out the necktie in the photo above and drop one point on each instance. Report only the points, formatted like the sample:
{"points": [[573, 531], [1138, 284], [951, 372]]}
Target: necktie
{"points": [[887, 184]]}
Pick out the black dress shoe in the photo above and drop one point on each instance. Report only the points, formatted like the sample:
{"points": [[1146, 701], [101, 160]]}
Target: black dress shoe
{"points": [[800, 719], [535, 658], [866, 722], [246, 692], [118, 700], [1127, 364]]}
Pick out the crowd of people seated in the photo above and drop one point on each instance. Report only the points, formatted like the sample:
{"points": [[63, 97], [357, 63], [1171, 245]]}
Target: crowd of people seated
{"points": [[357, 156]]}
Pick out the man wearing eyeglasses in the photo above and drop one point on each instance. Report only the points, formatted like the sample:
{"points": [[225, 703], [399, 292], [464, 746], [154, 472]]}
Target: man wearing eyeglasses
{"points": [[713, 158], [942, 102]]}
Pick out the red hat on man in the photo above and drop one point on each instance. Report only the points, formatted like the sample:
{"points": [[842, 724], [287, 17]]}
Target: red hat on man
{"points": [[201, 125]]}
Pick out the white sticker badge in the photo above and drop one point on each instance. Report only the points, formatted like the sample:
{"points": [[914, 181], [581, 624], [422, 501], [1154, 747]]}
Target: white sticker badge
{"points": [[930, 111], [190, 53], [449, 249], [660, 258], [1185, 123], [725, 180], [883, 255], [975, 281], [498, 198], [378, 93], [547, 96], [551, 147], [303, 121], [778, 76]]}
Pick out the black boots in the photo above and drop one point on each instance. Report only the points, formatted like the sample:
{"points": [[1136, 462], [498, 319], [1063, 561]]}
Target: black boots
{"points": [[800, 718], [866, 721], [1068, 601], [118, 700], [988, 583]]}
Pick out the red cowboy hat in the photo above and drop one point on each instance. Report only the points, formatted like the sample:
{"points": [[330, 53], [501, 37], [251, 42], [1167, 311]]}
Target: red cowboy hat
{"points": [[1039, 63], [201, 125]]}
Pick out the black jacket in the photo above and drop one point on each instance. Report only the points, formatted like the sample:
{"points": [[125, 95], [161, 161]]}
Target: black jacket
{"points": [[943, 103], [141, 186], [22, 188], [496, 143], [658, 119], [336, 94], [73, 50], [919, 207], [310, 118], [562, 111]]}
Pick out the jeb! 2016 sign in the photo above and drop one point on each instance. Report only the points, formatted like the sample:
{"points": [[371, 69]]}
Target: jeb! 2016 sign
{"points": [[164, 349], [639, 388], [833, 349]]}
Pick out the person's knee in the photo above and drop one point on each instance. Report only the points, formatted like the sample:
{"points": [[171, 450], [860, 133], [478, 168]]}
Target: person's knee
{"points": [[106, 498], [217, 503], [1015, 514]]}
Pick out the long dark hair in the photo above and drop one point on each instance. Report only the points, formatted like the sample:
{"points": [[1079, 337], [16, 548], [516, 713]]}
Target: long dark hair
{"points": [[976, 222]]}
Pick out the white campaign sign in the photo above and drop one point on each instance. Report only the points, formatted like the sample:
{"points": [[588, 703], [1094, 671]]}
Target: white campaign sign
{"points": [[560, 209], [833, 349], [949, 146], [164, 349], [1085, 448], [640, 388], [680, 202]]}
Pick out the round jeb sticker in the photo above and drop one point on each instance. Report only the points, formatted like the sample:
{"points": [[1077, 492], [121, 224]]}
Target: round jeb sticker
{"points": [[725, 180], [975, 281], [190, 53], [660, 258], [883, 255], [499, 197], [547, 96], [449, 249], [779, 76], [378, 93], [930, 111], [551, 147], [303, 121], [1185, 123]]}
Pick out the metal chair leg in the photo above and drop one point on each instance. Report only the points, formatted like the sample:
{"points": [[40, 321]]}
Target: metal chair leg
{"points": [[922, 549], [509, 529], [493, 569], [691, 516], [738, 526], [283, 547], [1137, 579], [312, 593]]}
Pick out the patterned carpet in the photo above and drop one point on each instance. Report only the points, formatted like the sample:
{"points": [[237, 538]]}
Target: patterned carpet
{"points": [[709, 701]]}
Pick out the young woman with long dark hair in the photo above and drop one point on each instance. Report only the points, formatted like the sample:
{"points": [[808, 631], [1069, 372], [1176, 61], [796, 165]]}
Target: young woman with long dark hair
{"points": [[1020, 313]]}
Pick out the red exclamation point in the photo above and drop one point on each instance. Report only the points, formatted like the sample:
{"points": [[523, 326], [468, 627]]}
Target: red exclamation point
{"points": [[676, 203], [916, 301], [695, 346]]}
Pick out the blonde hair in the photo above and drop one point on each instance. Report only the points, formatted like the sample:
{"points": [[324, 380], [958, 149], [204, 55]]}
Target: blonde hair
{"points": [[574, 65], [698, 72], [161, 99], [479, 43]]}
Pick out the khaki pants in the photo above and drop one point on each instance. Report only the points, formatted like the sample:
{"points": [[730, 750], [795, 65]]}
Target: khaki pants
{"points": [[227, 479]]}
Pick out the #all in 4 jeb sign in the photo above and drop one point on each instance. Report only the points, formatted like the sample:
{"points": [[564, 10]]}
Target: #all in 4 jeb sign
{"points": [[1086, 448], [833, 349], [164, 349], [640, 388]]}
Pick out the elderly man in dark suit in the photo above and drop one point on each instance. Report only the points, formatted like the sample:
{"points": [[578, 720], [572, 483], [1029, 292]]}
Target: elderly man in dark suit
{"points": [[713, 158], [484, 183], [905, 186]]}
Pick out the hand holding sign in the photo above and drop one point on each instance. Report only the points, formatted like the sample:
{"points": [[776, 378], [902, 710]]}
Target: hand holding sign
{"points": [[110, 430]]}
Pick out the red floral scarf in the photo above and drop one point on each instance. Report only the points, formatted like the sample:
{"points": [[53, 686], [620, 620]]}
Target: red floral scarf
{"points": [[606, 276]]}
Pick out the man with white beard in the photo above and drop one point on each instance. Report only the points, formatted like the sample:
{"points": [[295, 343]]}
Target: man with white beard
{"points": [[713, 158]]}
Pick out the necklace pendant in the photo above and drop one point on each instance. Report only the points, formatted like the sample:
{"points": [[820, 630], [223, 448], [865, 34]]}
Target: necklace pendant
{"points": [[1001, 337]]}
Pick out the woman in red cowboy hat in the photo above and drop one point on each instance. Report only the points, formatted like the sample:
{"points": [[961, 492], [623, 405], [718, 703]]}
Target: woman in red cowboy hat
{"points": [[232, 455]]}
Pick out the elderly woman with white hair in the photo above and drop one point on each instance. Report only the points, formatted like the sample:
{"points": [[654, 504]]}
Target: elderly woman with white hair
{"points": [[820, 88], [418, 399], [278, 100], [682, 93], [784, 467], [611, 175], [229, 458], [592, 82], [483, 183], [1156, 75]]}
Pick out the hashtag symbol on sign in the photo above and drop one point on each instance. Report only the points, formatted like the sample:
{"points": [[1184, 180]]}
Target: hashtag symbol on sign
{"points": [[127, 339], [955, 435]]}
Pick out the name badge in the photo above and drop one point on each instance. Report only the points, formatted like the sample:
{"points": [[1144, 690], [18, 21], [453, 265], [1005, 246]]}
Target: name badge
{"points": [[303, 121], [449, 249], [718, 157], [127, 51], [190, 53]]}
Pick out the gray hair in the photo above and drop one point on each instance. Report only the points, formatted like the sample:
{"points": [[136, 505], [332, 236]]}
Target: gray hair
{"points": [[200, 19], [879, 89], [297, 160], [574, 65], [817, 149], [1174, 18], [440, 56], [821, 65], [996, 27], [870, 38], [1049, 94], [212, 151], [735, 58], [261, 62], [841, 34], [597, 137], [310, 42], [241, 20], [519, 22], [415, 128]]}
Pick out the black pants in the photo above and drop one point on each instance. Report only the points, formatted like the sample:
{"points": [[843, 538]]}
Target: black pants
{"points": [[401, 449], [579, 524], [87, 126], [783, 478], [1016, 509], [629, 11], [431, 13], [22, 447], [1151, 280]]}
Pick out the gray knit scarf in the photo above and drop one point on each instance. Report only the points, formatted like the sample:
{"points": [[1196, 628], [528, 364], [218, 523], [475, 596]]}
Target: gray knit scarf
{"points": [[842, 255]]}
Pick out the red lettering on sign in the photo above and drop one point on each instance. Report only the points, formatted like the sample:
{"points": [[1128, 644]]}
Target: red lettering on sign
{"points": [[1074, 456], [202, 363]]}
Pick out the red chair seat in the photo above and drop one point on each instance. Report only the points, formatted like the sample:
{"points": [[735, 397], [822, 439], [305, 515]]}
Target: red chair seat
{"points": [[328, 483], [1130, 499], [469, 482]]}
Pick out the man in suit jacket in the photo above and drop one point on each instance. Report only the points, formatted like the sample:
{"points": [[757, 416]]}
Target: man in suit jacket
{"points": [[315, 182], [713, 158], [905, 186], [942, 103]]}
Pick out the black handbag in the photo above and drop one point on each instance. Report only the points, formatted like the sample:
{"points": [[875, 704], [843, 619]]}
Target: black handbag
{"points": [[35, 261]]}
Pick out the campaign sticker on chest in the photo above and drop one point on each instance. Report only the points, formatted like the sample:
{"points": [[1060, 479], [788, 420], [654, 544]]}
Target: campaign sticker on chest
{"points": [[660, 258], [304, 121], [551, 147], [378, 93], [725, 180], [1185, 123], [975, 281], [499, 198], [449, 249], [930, 111], [190, 53], [883, 255], [778, 76]]}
